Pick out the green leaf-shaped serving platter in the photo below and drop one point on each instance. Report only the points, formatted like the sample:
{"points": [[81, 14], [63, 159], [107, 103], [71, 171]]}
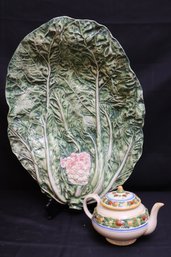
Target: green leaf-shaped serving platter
{"points": [[76, 109]]}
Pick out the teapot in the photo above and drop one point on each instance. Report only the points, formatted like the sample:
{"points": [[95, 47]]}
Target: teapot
{"points": [[121, 217]]}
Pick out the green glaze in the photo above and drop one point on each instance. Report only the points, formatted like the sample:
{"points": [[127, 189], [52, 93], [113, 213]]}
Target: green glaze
{"points": [[76, 109]]}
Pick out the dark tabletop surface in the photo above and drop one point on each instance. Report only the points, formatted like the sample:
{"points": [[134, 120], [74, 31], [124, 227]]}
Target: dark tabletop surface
{"points": [[26, 231]]}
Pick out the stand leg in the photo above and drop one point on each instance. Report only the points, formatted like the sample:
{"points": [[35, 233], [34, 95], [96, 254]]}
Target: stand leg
{"points": [[52, 208]]}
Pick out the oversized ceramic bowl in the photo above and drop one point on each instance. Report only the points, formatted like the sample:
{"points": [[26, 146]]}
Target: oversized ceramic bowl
{"points": [[75, 109]]}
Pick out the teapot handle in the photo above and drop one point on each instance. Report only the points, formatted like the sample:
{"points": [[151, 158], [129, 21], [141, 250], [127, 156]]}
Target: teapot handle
{"points": [[95, 197]]}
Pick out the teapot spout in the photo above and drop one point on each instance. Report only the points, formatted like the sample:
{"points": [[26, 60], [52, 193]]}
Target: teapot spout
{"points": [[152, 223]]}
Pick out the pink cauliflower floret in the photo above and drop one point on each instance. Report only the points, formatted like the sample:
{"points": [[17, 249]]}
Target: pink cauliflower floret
{"points": [[77, 167]]}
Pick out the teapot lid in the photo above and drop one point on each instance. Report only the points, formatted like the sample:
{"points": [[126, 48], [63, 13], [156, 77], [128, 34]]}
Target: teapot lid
{"points": [[120, 200]]}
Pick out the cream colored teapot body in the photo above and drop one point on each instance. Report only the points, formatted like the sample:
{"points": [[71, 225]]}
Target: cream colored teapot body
{"points": [[121, 217]]}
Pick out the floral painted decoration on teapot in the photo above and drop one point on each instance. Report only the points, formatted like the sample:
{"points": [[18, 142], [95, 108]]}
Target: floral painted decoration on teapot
{"points": [[120, 200], [121, 223]]}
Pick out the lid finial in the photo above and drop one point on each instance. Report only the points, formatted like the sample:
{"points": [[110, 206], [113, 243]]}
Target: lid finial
{"points": [[120, 189]]}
